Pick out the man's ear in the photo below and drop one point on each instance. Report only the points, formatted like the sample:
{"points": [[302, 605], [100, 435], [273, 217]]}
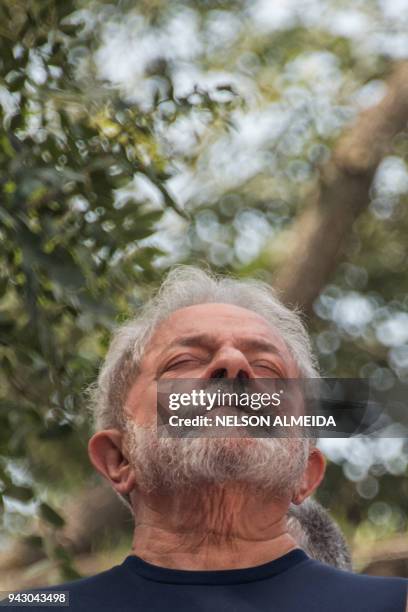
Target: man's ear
{"points": [[312, 476], [106, 451]]}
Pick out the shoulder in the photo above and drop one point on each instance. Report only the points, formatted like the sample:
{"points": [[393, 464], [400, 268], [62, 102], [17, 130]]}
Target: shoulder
{"points": [[380, 593], [95, 592]]}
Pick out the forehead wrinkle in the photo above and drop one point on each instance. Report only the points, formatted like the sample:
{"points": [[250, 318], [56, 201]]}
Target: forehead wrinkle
{"points": [[190, 337], [259, 344], [207, 340]]}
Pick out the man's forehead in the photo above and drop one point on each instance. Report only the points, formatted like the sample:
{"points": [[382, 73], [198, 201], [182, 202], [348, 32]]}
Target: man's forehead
{"points": [[215, 318]]}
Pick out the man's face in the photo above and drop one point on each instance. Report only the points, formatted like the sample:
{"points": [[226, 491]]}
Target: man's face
{"points": [[202, 342], [206, 341]]}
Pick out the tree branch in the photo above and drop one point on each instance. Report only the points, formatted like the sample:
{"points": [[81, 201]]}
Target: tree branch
{"points": [[313, 244]]}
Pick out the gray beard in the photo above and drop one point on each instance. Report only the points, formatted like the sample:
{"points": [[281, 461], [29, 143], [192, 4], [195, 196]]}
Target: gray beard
{"points": [[274, 465]]}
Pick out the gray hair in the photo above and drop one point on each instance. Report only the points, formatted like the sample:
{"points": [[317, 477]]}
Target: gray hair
{"points": [[318, 534], [187, 286]]}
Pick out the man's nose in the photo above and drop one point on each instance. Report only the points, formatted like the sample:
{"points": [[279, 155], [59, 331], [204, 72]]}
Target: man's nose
{"points": [[230, 364]]}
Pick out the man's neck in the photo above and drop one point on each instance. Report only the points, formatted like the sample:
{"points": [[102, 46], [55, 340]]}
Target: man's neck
{"points": [[214, 528]]}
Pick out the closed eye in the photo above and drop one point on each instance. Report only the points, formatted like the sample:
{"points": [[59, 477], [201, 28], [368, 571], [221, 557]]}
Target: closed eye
{"points": [[268, 367], [183, 361]]}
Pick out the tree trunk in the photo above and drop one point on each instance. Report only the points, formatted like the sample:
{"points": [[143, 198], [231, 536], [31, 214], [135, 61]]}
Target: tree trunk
{"points": [[313, 245]]}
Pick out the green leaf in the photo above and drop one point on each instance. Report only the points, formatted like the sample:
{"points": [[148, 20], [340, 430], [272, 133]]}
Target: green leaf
{"points": [[34, 541], [51, 516], [23, 494], [55, 432], [68, 572]]}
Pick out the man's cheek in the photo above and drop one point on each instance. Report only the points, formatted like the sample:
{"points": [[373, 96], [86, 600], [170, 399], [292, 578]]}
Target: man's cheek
{"points": [[148, 405], [141, 404]]}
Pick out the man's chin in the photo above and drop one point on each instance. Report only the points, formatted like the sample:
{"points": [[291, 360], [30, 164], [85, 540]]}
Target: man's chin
{"points": [[179, 463]]}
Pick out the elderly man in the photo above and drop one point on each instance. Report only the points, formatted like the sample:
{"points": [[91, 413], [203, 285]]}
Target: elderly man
{"points": [[210, 514]]}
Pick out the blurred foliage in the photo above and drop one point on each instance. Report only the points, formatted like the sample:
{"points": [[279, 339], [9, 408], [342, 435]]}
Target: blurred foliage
{"points": [[71, 251], [139, 134]]}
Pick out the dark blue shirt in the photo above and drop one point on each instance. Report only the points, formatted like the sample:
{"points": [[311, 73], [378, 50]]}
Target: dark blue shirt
{"points": [[292, 583]]}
